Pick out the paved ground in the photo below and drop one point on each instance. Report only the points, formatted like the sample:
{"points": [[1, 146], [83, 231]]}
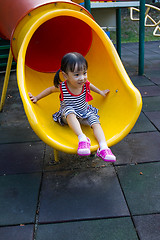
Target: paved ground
{"points": [[83, 198]]}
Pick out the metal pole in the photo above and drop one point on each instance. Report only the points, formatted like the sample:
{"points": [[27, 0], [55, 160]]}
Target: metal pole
{"points": [[141, 37], [6, 79], [118, 30], [87, 5], [56, 159]]}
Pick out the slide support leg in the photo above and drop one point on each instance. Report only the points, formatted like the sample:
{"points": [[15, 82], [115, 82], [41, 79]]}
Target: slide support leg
{"points": [[6, 79], [56, 159]]}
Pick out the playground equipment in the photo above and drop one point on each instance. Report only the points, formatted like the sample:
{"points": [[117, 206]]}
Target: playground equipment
{"points": [[149, 21], [41, 32], [105, 12]]}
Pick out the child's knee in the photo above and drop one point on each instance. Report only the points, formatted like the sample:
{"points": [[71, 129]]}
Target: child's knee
{"points": [[71, 115], [66, 116], [95, 125], [67, 111]]}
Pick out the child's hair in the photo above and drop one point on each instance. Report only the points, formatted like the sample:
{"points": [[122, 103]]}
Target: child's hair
{"points": [[68, 64]]}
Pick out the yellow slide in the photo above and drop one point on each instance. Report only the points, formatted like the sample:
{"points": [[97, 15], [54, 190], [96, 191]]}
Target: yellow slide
{"points": [[43, 37]]}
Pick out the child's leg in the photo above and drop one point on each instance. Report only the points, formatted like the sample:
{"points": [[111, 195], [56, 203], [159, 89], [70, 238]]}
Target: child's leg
{"points": [[84, 142], [99, 134], [104, 152], [74, 124]]}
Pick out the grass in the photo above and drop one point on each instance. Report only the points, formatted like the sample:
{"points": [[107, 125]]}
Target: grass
{"points": [[130, 29]]}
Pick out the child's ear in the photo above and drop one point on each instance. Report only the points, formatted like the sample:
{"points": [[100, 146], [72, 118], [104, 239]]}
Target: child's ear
{"points": [[65, 76]]}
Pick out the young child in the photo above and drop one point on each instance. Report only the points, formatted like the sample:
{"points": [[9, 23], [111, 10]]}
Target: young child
{"points": [[74, 107]]}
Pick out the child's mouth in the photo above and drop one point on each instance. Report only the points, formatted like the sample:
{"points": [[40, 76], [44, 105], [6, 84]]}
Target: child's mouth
{"points": [[81, 83]]}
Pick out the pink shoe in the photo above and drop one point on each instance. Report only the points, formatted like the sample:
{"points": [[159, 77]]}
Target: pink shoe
{"points": [[106, 155], [84, 148]]}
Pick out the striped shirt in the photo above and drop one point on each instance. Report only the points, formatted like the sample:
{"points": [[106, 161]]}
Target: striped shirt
{"points": [[76, 104]]}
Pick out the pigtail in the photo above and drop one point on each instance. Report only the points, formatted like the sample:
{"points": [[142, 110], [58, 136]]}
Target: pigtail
{"points": [[57, 79]]}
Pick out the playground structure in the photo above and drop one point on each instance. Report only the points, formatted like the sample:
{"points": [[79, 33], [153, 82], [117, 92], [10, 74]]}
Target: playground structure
{"points": [[40, 34], [105, 12], [149, 21]]}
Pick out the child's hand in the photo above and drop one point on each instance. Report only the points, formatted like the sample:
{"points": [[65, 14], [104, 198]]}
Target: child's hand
{"points": [[33, 99], [105, 92]]}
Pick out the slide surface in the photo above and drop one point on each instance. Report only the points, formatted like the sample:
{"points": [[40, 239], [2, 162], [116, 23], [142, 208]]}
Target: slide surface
{"points": [[39, 57]]}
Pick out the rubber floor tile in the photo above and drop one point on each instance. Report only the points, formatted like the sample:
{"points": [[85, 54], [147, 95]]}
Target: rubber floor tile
{"points": [[153, 75], [155, 45], [17, 232], [151, 104], [154, 118], [18, 198], [149, 91], [141, 187], [138, 148], [73, 195], [151, 56], [21, 157], [141, 81], [17, 134], [128, 60], [130, 70], [71, 161], [111, 229], [13, 116], [143, 125], [131, 47], [148, 226]]}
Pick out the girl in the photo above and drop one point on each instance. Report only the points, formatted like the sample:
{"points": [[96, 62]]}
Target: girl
{"points": [[74, 107]]}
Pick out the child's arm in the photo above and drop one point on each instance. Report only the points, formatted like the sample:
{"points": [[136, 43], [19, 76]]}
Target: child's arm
{"points": [[43, 94], [97, 90]]}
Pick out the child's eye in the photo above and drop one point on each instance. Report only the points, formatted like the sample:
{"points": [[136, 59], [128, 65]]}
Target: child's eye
{"points": [[76, 74]]}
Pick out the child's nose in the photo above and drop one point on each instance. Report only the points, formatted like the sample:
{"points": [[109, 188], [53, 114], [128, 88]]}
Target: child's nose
{"points": [[82, 77]]}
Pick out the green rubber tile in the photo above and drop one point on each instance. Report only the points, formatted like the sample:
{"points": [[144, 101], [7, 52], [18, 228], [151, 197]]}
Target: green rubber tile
{"points": [[141, 187], [13, 112], [128, 58], [18, 198], [112, 229], [12, 94], [143, 125], [21, 158], [155, 46], [154, 118], [153, 75], [148, 226], [149, 91], [151, 104], [12, 78], [131, 47], [131, 60], [13, 115], [13, 121], [141, 81], [17, 232], [77, 195], [138, 148], [151, 56], [154, 66], [19, 134], [132, 71], [71, 161]]}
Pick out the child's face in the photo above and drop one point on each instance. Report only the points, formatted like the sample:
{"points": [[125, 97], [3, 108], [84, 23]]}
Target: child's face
{"points": [[76, 78]]}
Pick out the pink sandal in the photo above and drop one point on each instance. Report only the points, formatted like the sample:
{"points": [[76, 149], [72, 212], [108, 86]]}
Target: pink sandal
{"points": [[84, 148], [106, 155]]}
